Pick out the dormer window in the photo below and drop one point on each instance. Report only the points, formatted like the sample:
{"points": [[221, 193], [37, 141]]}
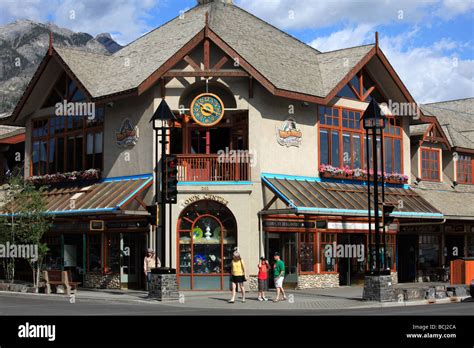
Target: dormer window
{"points": [[464, 166], [430, 164]]}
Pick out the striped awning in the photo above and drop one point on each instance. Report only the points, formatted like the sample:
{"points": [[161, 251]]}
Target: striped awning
{"points": [[313, 196], [111, 195]]}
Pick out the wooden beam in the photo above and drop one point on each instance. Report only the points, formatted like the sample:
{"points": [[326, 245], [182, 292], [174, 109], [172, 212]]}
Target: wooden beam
{"points": [[163, 87], [207, 54], [170, 63], [220, 63], [351, 86], [370, 90], [207, 73], [250, 87], [192, 63]]}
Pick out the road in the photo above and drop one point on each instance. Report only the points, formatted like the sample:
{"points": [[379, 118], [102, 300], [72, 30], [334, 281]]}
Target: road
{"points": [[37, 305]]}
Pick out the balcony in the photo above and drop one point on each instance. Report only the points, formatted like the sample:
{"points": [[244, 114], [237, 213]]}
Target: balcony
{"points": [[214, 168]]}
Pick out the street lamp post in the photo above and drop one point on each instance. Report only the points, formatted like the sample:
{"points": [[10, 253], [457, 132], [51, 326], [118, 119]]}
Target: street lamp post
{"points": [[377, 285]]}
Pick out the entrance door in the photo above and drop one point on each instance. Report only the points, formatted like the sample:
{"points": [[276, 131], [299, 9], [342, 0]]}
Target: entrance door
{"points": [[286, 245], [132, 251], [407, 253], [352, 267]]}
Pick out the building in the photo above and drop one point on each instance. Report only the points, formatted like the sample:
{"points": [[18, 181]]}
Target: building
{"points": [[271, 153]]}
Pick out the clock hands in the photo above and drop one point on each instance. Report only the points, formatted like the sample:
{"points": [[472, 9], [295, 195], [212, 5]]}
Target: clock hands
{"points": [[205, 108]]}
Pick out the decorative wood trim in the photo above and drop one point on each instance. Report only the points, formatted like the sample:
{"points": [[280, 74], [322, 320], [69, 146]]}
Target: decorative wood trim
{"points": [[220, 63], [192, 63], [207, 54], [206, 73]]}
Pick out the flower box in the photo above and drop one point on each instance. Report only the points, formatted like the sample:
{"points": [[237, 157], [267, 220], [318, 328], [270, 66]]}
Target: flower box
{"points": [[86, 175], [330, 172]]}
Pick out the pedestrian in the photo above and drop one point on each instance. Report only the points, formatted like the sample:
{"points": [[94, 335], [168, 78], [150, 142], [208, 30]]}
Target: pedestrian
{"points": [[238, 276], [263, 268], [148, 263], [279, 276]]}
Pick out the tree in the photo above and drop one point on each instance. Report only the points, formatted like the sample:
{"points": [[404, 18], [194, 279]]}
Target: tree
{"points": [[26, 220]]}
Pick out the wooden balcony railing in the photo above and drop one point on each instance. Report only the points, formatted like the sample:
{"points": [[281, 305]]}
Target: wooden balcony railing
{"points": [[192, 168]]}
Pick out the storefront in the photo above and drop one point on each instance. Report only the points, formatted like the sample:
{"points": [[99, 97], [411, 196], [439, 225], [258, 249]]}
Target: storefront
{"points": [[207, 238], [321, 232]]}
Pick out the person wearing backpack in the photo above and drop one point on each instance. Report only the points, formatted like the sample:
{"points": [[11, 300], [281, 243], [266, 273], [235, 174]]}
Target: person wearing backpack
{"points": [[279, 276], [263, 268], [238, 276]]}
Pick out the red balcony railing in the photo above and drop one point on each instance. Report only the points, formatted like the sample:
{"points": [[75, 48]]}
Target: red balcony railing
{"points": [[192, 168]]}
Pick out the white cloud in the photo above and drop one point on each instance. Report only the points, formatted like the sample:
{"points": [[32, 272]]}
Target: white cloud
{"points": [[431, 73], [298, 14], [124, 19], [349, 37], [452, 8]]}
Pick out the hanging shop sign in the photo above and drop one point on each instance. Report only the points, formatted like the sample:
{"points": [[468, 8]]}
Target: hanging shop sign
{"points": [[205, 197], [128, 134], [207, 109], [289, 134]]}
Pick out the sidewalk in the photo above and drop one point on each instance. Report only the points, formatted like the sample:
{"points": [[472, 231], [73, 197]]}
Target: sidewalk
{"points": [[311, 299]]}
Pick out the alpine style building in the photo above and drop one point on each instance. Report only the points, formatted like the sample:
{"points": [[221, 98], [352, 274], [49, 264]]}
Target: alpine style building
{"points": [[271, 156]]}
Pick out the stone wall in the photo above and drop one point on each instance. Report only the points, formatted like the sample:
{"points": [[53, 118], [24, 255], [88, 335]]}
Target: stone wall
{"points": [[164, 287], [311, 281], [394, 278], [252, 283], [102, 281]]}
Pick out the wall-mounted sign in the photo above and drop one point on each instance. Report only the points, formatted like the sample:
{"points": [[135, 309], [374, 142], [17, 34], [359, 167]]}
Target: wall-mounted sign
{"points": [[289, 134], [205, 197], [96, 225], [289, 224], [128, 134], [207, 109]]}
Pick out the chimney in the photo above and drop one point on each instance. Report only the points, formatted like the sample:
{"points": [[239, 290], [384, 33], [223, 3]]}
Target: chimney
{"points": [[202, 2]]}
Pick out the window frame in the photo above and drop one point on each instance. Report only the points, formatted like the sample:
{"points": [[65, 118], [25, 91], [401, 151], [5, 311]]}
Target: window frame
{"points": [[430, 150], [461, 168], [342, 131], [65, 134]]}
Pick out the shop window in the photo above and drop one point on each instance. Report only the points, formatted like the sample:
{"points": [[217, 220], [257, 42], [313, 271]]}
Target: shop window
{"points": [[464, 169], [52, 260], [430, 166], [428, 251], [113, 253], [307, 255], [470, 246], [207, 240], [328, 264], [390, 243], [94, 248]]}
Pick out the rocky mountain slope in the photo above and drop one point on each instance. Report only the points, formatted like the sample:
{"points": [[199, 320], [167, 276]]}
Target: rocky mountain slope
{"points": [[23, 45]]}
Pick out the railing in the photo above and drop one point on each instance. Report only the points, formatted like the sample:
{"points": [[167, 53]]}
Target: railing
{"points": [[192, 168]]}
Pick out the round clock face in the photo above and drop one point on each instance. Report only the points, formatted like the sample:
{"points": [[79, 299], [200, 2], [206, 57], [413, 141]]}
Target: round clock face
{"points": [[207, 109]]}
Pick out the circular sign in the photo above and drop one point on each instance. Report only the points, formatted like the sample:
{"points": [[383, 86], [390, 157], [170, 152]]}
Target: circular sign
{"points": [[207, 109]]}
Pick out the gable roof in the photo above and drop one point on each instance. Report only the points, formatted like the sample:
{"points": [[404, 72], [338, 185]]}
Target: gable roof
{"points": [[286, 62], [456, 118], [284, 65]]}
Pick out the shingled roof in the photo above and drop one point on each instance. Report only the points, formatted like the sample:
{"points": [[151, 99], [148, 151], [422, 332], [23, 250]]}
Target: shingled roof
{"points": [[456, 118], [284, 61]]}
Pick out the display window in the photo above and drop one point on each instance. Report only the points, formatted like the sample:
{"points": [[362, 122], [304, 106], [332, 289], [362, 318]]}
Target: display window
{"points": [[207, 240]]}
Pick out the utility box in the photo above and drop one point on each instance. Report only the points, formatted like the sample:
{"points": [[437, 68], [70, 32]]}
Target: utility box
{"points": [[462, 271]]}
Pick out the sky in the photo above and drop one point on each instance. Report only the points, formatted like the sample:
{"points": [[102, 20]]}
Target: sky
{"points": [[430, 43]]}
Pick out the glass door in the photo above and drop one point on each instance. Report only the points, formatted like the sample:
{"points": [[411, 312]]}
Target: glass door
{"points": [[286, 245]]}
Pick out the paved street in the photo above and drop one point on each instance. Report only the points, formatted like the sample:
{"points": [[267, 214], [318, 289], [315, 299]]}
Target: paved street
{"points": [[213, 304]]}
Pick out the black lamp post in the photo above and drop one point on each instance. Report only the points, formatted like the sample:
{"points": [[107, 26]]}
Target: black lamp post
{"points": [[163, 120], [374, 121]]}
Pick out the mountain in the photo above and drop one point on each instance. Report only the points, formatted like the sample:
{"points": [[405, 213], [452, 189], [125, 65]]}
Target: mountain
{"points": [[23, 45]]}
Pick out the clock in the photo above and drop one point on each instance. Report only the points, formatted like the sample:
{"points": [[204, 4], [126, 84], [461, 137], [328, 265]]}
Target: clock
{"points": [[207, 109]]}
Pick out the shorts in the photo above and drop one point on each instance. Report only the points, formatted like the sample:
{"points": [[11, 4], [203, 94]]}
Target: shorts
{"points": [[262, 285], [238, 279], [279, 282]]}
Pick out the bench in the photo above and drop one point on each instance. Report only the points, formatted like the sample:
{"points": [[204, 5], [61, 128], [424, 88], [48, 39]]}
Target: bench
{"points": [[55, 278]]}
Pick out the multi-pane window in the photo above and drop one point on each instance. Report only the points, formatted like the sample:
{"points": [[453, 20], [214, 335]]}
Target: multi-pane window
{"points": [[464, 169], [328, 263], [430, 164], [342, 140], [307, 254], [67, 143]]}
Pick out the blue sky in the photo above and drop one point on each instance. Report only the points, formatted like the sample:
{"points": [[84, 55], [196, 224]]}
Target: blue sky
{"points": [[429, 42]]}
